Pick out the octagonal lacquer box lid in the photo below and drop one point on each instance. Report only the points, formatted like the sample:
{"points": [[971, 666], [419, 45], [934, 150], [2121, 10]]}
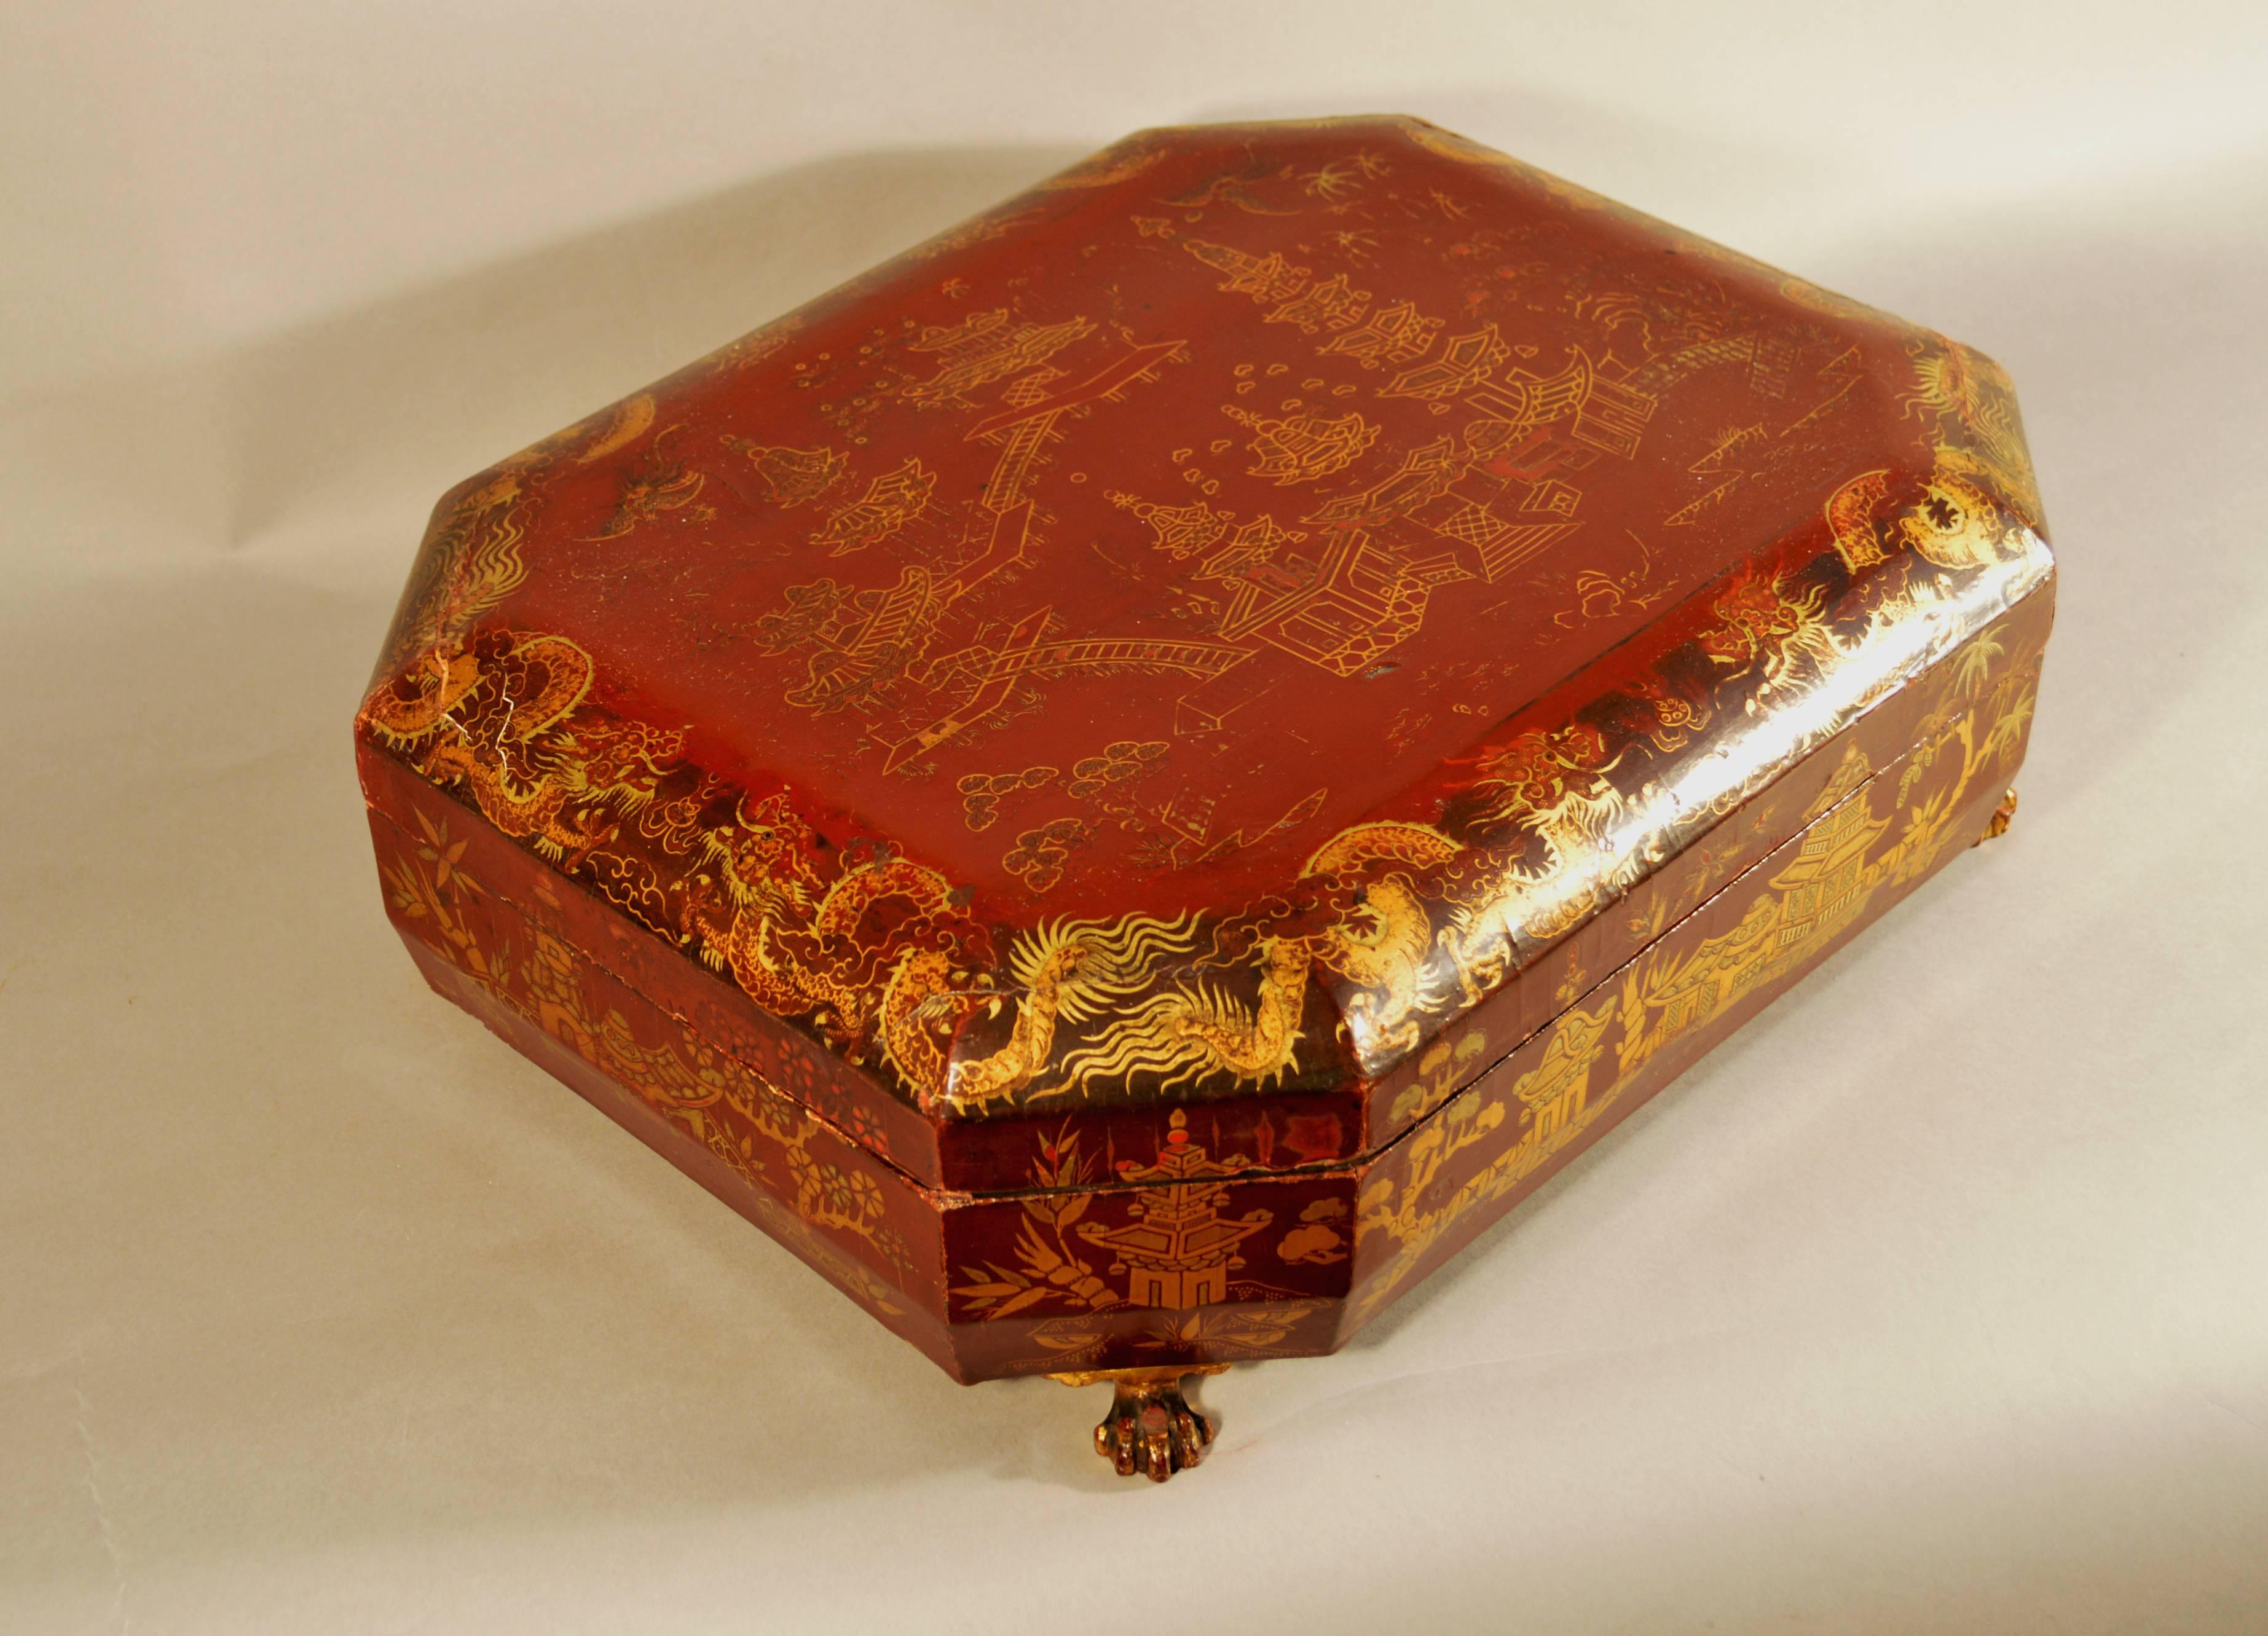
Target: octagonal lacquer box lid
{"points": [[1251, 626]]}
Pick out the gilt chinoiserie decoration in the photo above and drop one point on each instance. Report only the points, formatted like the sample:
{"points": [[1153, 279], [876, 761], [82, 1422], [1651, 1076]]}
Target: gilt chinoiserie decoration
{"points": [[1126, 782]]}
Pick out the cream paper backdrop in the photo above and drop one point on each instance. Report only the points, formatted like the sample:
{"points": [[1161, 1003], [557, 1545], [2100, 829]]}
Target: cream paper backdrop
{"points": [[1938, 1301]]}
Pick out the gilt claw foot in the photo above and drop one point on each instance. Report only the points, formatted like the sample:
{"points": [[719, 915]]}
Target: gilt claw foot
{"points": [[2003, 816], [1152, 1429]]}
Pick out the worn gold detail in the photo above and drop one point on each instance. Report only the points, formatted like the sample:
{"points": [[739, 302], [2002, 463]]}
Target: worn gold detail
{"points": [[470, 562], [793, 477], [1266, 279], [624, 425], [660, 481], [891, 502]]}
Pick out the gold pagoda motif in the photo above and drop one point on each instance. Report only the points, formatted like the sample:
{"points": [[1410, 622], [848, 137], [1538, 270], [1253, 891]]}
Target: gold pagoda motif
{"points": [[1328, 304], [1179, 1251], [1343, 608], [1559, 1102], [1605, 413], [984, 347], [1464, 363], [1301, 448], [1268, 278], [1399, 334], [1180, 530]]}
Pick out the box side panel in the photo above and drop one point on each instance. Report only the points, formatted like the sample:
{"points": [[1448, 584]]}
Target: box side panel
{"points": [[1636, 1030], [706, 1005], [1653, 908], [1190, 1258], [863, 1225]]}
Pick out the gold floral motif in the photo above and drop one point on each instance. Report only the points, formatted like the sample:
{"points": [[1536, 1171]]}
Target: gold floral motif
{"points": [[1244, 1331], [436, 894], [1445, 1068], [1339, 181], [1049, 1266], [1239, 1332]]}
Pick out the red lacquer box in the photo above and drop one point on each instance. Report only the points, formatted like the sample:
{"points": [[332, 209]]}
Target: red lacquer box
{"points": [[1127, 782]]}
